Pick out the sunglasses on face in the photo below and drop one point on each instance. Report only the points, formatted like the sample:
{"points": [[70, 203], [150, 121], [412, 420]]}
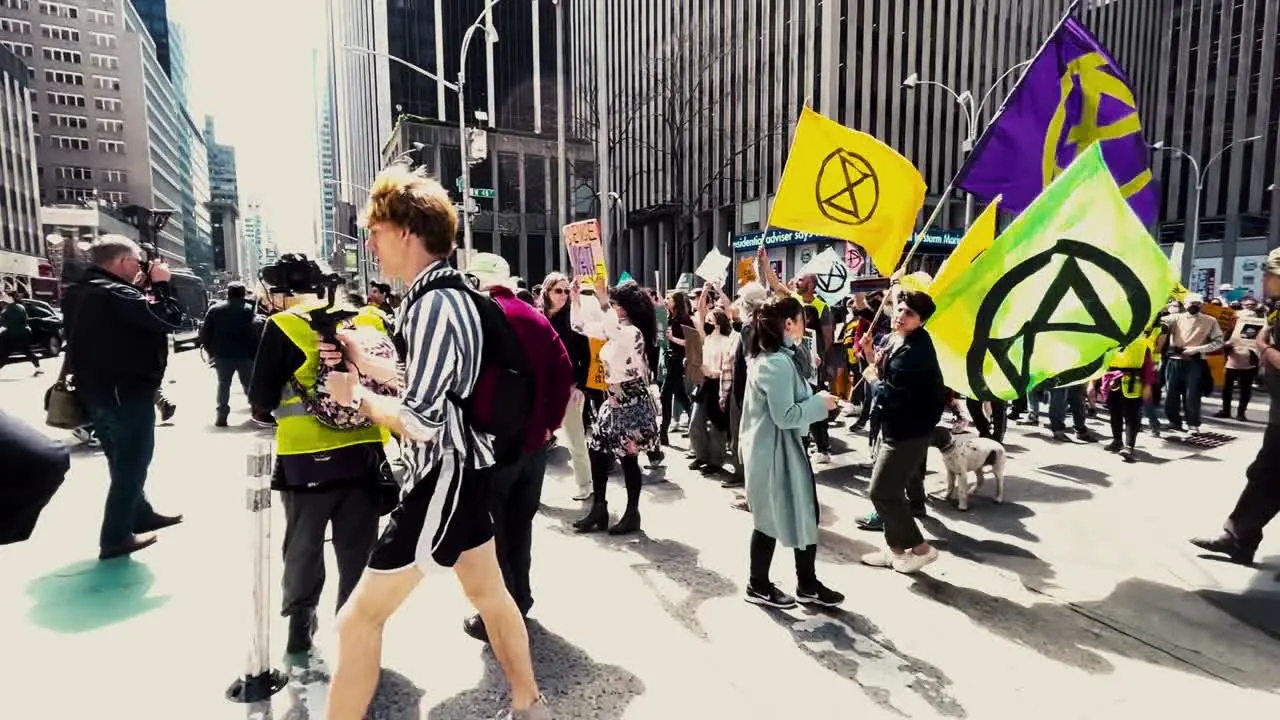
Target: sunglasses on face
{"points": [[557, 291]]}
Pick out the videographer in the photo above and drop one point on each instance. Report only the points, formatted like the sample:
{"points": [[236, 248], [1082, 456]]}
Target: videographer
{"points": [[117, 351], [324, 475]]}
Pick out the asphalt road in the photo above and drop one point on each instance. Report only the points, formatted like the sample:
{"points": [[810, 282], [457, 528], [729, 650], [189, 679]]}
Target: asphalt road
{"points": [[1077, 598]]}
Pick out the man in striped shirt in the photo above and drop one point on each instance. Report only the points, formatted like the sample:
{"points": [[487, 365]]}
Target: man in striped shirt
{"points": [[443, 516]]}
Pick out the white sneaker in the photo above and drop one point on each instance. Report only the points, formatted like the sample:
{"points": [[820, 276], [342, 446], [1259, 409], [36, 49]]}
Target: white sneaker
{"points": [[909, 562], [583, 496], [821, 458]]}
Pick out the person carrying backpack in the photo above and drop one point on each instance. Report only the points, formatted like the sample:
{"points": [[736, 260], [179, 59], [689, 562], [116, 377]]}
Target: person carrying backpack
{"points": [[516, 492], [463, 407]]}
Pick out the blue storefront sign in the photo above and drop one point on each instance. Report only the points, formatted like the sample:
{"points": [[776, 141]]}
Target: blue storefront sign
{"points": [[935, 240], [776, 238]]}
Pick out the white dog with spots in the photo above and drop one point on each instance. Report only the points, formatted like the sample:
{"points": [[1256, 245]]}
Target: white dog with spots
{"points": [[969, 455]]}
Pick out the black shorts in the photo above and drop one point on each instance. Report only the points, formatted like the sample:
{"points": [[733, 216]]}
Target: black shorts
{"points": [[439, 519]]}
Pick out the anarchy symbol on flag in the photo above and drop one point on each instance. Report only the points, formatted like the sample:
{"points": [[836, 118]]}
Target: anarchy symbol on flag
{"points": [[833, 281]]}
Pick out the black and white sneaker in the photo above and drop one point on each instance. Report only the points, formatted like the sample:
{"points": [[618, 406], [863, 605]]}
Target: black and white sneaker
{"points": [[819, 594], [769, 596]]}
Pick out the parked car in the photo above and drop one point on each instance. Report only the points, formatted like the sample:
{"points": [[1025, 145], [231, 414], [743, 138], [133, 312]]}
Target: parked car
{"points": [[192, 295], [46, 328]]}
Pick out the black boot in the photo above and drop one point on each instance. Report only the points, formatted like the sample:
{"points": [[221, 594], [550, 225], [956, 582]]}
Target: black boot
{"points": [[596, 520], [302, 627], [220, 420], [628, 523]]}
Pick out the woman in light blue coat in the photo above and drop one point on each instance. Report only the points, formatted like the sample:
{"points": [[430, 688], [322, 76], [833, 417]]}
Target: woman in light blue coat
{"points": [[778, 409]]}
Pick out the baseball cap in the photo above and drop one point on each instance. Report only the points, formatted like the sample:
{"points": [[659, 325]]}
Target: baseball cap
{"points": [[1193, 299], [1272, 265], [490, 270]]}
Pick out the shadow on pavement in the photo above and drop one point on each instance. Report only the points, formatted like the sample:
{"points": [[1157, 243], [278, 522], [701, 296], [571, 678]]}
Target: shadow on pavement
{"points": [[92, 594], [1075, 473], [675, 560], [1004, 518], [575, 685], [1258, 605], [833, 547], [1030, 569], [852, 647], [1136, 621]]}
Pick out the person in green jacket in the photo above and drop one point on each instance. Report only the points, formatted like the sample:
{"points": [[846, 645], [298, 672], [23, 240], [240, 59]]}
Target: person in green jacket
{"points": [[779, 407], [15, 331]]}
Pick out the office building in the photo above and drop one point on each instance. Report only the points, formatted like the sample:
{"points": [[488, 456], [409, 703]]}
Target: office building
{"points": [[361, 102], [706, 94], [514, 191], [507, 80], [259, 249], [224, 204], [22, 247], [322, 66], [110, 124]]}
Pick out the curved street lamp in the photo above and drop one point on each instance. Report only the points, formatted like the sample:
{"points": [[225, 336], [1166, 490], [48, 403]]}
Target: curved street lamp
{"points": [[1189, 259]]}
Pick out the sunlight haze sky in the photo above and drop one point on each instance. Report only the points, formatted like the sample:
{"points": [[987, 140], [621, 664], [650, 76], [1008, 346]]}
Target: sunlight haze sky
{"points": [[250, 66]]}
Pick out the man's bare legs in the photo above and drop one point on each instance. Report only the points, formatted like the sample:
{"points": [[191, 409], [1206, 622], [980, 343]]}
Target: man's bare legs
{"points": [[481, 580], [360, 622]]}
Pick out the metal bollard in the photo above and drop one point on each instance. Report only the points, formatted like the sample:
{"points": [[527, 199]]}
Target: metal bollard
{"points": [[260, 681]]}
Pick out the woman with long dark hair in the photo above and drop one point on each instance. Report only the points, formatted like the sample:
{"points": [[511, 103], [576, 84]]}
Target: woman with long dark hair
{"points": [[779, 407], [555, 305], [709, 426], [679, 316], [627, 422]]}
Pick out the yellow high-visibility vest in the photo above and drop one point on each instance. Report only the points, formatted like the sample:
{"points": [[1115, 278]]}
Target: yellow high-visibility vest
{"points": [[297, 431], [1131, 360]]}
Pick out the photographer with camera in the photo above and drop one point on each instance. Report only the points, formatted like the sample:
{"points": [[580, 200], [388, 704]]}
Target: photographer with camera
{"points": [[117, 351], [330, 464]]}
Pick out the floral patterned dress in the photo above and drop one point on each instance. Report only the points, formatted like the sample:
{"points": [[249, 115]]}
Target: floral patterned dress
{"points": [[627, 423]]}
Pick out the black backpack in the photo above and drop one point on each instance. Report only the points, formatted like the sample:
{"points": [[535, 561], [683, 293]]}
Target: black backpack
{"points": [[501, 403]]}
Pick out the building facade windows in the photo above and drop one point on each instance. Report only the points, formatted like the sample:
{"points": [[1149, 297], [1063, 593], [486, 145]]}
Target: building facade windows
{"points": [[62, 55], [16, 4], [111, 146], [115, 196], [72, 172], [65, 99], [21, 27], [69, 121], [102, 17], [107, 104], [19, 49], [107, 62], [54, 9], [57, 32], [74, 194], [68, 142], [63, 77], [115, 177], [104, 82], [108, 125]]}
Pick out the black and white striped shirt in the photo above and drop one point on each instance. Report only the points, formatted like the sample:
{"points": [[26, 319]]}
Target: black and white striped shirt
{"points": [[443, 339]]}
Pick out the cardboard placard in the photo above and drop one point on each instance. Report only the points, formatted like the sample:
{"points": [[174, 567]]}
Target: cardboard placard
{"points": [[595, 373], [714, 268], [586, 253], [746, 271]]}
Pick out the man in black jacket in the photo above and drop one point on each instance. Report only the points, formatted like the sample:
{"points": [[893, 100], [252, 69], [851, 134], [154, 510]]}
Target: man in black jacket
{"points": [[230, 337], [117, 351]]}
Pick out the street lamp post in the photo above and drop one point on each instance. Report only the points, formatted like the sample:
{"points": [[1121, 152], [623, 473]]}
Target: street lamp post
{"points": [[1189, 258], [492, 36], [972, 115]]}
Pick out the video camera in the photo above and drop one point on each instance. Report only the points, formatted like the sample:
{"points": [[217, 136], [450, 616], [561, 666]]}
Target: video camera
{"points": [[296, 274]]}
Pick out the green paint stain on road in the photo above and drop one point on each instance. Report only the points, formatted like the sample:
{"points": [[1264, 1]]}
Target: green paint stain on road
{"points": [[92, 594]]}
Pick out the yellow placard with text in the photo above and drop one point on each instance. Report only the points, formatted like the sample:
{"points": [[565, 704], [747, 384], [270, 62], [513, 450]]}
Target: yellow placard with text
{"points": [[595, 373], [586, 253]]}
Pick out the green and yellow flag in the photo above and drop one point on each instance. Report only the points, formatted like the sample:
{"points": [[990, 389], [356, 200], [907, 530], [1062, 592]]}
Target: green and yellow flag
{"points": [[975, 242], [1075, 277], [845, 184]]}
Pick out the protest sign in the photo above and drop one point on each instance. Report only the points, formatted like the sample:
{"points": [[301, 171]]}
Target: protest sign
{"points": [[586, 254], [714, 268]]}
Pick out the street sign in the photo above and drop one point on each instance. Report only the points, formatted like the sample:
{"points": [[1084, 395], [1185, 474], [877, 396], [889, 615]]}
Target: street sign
{"points": [[486, 193]]}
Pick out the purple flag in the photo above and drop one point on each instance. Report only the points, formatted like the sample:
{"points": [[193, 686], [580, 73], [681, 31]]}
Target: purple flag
{"points": [[1073, 94]]}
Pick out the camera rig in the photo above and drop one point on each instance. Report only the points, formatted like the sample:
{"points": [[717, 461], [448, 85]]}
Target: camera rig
{"points": [[296, 274]]}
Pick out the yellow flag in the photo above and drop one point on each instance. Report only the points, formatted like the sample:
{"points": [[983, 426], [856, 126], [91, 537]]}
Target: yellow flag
{"points": [[845, 184], [981, 234], [1179, 292]]}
